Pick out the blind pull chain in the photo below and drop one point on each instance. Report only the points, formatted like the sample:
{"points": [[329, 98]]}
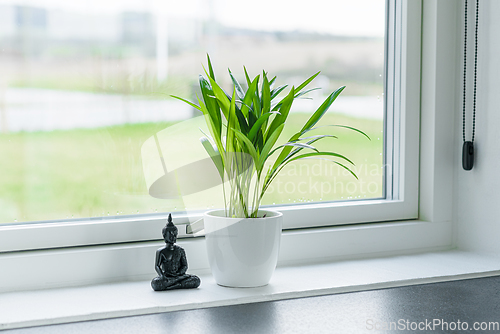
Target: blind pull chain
{"points": [[468, 146]]}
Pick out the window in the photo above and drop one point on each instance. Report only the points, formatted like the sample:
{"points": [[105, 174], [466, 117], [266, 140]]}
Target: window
{"points": [[85, 88]]}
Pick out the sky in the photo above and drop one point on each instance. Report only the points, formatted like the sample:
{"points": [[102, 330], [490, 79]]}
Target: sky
{"points": [[339, 17]]}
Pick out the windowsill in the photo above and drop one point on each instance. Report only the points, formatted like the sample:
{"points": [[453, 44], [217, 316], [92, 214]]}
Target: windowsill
{"points": [[44, 307]]}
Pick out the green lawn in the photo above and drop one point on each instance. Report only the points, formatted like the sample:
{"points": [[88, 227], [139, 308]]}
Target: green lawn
{"points": [[98, 172]]}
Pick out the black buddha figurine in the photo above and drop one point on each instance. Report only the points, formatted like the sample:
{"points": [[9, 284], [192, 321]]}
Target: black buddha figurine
{"points": [[171, 264]]}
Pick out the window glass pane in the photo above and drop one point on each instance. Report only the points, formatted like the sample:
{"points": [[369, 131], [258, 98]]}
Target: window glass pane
{"points": [[85, 87]]}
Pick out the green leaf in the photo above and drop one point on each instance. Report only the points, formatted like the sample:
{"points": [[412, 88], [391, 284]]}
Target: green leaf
{"points": [[257, 107], [211, 126], [210, 138], [211, 103], [242, 120], [239, 90], [313, 154], [268, 146], [317, 137], [305, 83], [259, 139], [251, 119], [212, 75], [214, 155], [275, 170], [335, 162], [353, 129], [286, 153], [247, 76], [271, 82], [247, 100], [278, 90], [297, 90], [231, 124], [186, 101], [339, 126], [300, 145], [258, 124], [243, 105], [345, 167], [314, 139], [222, 99], [251, 149], [266, 95], [305, 92], [281, 118], [322, 109]]}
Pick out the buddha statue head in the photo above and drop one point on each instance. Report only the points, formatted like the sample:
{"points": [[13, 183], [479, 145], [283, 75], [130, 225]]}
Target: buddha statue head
{"points": [[170, 231]]}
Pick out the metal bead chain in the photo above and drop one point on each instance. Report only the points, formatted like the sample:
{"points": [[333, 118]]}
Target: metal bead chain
{"points": [[465, 74], [475, 74], [464, 107]]}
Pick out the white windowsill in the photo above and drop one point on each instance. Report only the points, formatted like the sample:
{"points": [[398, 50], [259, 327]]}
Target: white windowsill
{"points": [[44, 307]]}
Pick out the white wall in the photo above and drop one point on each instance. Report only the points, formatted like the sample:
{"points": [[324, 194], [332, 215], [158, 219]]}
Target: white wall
{"points": [[477, 192]]}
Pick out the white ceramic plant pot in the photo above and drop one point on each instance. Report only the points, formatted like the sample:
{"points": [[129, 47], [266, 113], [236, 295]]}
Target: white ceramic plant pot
{"points": [[243, 252]]}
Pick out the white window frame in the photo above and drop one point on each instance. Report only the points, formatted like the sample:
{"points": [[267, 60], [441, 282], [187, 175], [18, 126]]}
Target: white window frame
{"points": [[402, 153], [103, 251]]}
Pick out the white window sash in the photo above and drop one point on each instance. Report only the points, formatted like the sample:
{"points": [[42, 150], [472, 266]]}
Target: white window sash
{"points": [[402, 153]]}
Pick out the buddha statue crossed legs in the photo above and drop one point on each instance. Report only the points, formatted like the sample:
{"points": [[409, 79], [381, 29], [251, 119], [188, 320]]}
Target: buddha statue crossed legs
{"points": [[171, 264]]}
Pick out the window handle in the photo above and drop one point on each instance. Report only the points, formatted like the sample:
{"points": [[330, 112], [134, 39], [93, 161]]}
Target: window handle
{"points": [[197, 228]]}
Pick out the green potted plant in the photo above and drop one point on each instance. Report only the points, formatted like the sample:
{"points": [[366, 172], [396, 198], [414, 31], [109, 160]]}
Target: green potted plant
{"points": [[245, 126]]}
